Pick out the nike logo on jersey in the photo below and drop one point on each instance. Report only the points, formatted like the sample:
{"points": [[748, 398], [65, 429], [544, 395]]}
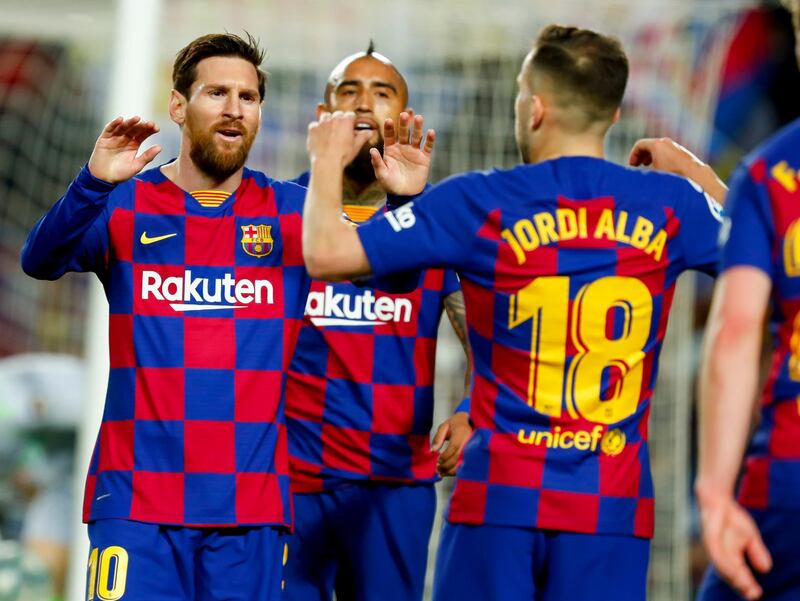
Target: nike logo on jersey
{"points": [[145, 239]]}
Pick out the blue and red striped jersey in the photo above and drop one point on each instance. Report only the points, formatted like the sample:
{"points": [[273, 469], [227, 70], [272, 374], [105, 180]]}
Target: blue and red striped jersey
{"points": [[359, 400], [568, 269], [764, 208], [204, 309]]}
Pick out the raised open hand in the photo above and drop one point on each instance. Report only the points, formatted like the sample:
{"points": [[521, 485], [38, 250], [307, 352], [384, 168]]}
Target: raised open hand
{"points": [[114, 158], [406, 162]]}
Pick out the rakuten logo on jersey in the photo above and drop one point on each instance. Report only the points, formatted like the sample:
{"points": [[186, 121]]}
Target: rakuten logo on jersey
{"points": [[331, 308], [190, 293]]}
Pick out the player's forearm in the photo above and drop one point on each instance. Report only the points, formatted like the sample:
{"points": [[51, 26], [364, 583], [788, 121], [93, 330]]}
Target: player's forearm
{"points": [[707, 178], [321, 214], [728, 382], [51, 247], [331, 247], [456, 312]]}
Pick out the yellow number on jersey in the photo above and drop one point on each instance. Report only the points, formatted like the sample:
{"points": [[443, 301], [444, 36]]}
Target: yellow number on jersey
{"points": [[542, 301], [546, 301]]}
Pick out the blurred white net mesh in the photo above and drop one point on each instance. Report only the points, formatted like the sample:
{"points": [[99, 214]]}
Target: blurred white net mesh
{"points": [[460, 59], [47, 129]]}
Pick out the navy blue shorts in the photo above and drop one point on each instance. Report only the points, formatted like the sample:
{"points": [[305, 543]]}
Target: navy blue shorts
{"points": [[134, 561], [523, 564], [780, 529], [369, 542]]}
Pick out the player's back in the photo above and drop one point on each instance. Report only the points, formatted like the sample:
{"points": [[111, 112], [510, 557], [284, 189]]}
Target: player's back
{"points": [[765, 234], [568, 285]]}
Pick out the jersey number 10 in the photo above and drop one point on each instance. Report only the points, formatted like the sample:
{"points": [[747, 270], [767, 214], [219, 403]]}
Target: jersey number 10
{"points": [[108, 573]]}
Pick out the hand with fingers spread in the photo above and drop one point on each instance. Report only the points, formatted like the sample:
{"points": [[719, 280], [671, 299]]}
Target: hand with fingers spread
{"points": [[406, 162], [733, 540], [334, 137], [114, 158], [456, 431]]}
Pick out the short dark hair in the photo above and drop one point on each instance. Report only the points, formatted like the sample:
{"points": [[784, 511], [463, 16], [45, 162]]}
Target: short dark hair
{"points": [[588, 69], [184, 70]]}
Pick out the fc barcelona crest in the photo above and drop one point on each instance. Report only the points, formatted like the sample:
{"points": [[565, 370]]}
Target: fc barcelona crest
{"points": [[257, 240]]}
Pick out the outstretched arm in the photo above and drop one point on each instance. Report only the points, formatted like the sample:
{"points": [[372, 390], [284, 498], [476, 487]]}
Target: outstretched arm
{"points": [[664, 154], [728, 382]]}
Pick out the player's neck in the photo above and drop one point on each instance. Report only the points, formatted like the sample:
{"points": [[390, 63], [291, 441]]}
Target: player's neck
{"points": [[563, 145], [186, 175], [369, 194]]}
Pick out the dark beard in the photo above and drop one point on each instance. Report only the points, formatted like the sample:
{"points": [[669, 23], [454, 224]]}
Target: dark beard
{"points": [[216, 164], [360, 169]]}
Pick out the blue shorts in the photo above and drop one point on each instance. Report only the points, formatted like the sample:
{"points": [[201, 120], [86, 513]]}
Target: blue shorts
{"points": [[134, 561], [523, 564], [780, 529], [366, 541]]}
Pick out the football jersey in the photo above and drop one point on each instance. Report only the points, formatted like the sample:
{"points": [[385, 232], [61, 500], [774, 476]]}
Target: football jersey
{"points": [[764, 209], [568, 269], [204, 309], [359, 400]]}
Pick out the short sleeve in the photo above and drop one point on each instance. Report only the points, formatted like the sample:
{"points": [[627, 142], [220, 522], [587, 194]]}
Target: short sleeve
{"points": [[436, 230], [701, 221], [451, 283], [751, 232]]}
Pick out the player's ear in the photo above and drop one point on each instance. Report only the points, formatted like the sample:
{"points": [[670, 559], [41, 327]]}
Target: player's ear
{"points": [[177, 107], [537, 112], [617, 113]]}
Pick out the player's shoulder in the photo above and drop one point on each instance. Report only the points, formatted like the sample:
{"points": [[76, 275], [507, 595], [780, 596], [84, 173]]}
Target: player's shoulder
{"points": [[124, 194], [664, 183], [778, 157], [591, 177], [289, 196], [461, 181], [674, 192], [262, 180], [650, 187], [782, 145], [478, 182], [302, 179]]}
